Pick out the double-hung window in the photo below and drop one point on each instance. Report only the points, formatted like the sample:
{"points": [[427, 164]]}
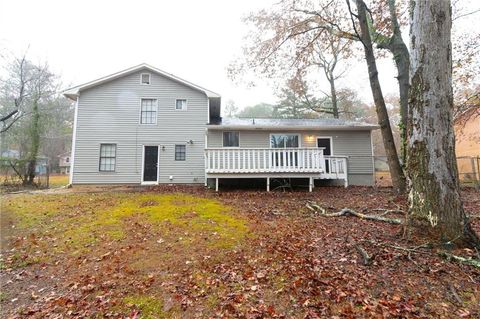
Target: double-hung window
{"points": [[180, 152], [108, 156], [231, 139], [148, 113]]}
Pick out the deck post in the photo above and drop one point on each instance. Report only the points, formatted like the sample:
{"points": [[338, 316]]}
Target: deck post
{"points": [[346, 181], [268, 184], [216, 184], [310, 184]]}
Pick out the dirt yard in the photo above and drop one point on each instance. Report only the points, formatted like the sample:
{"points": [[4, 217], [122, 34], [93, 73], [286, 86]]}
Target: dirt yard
{"points": [[187, 252]]}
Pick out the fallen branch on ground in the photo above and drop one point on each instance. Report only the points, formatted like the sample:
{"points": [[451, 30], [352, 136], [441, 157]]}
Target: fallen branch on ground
{"points": [[349, 212], [462, 260], [367, 260], [413, 249]]}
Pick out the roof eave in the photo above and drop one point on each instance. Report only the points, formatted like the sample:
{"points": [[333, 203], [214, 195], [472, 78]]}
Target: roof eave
{"points": [[70, 94], [73, 92], [291, 127]]}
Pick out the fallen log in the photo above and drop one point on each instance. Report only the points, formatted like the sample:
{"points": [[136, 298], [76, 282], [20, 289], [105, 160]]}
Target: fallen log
{"points": [[350, 212]]}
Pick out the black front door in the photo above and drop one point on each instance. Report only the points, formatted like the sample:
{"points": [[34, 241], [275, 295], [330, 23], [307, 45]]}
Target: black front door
{"points": [[150, 164], [325, 142]]}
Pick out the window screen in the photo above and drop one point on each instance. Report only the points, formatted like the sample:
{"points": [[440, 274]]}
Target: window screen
{"points": [[108, 154], [231, 139], [180, 152], [149, 111]]}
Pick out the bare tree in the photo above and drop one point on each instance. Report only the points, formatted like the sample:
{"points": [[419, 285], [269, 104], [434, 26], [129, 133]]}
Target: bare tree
{"points": [[27, 90], [328, 56], [231, 109], [15, 85], [434, 197]]}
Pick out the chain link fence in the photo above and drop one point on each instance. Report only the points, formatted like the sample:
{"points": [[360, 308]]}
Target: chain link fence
{"points": [[468, 171]]}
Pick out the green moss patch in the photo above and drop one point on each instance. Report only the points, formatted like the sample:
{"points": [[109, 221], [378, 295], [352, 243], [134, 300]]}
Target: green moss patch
{"points": [[150, 307], [81, 220]]}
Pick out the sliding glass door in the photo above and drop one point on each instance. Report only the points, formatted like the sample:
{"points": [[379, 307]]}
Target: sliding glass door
{"points": [[284, 158]]}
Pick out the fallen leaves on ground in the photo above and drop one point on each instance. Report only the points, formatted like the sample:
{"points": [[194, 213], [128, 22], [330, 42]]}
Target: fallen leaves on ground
{"points": [[285, 263]]}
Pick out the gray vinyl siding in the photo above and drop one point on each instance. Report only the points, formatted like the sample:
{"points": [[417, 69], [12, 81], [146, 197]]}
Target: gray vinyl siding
{"points": [[110, 113], [354, 144]]}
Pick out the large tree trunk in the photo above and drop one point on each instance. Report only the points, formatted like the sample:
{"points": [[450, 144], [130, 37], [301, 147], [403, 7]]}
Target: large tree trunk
{"points": [[333, 93], [396, 172], [432, 169], [35, 140]]}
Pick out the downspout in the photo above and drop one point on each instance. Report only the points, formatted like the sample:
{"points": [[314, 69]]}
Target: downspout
{"points": [[74, 138], [205, 155]]}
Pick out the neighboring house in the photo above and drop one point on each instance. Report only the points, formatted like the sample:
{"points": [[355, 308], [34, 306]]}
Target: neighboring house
{"points": [[11, 154], [145, 126], [41, 166], [64, 163]]}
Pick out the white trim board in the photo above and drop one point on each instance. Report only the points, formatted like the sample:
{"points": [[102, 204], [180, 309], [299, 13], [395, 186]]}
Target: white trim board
{"points": [[325, 137], [143, 165]]}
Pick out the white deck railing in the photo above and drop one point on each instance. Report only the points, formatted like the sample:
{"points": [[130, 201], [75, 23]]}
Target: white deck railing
{"points": [[266, 160], [335, 167]]}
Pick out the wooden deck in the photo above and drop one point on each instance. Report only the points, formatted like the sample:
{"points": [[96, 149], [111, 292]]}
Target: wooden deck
{"points": [[273, 163]]}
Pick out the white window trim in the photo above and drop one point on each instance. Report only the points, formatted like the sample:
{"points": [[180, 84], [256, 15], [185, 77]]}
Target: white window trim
{"points": [[143, 165], [100, 155], [282, 133], [140, 112], [331, 143], [186, 104], [231, 146], [149, 78]]}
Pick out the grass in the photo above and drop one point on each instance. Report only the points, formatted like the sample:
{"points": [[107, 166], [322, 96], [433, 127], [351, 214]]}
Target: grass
{"points": [[56, 181], [150, 307], [81, 220]]}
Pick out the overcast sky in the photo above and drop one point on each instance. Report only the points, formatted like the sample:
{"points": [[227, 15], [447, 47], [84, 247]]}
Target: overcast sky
{"points": [[195, 40]]}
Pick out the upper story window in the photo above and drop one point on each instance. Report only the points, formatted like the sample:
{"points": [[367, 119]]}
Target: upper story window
{"points": [[108, 156], [148, 113], [145, 78], [181, 104], [231, 139]]}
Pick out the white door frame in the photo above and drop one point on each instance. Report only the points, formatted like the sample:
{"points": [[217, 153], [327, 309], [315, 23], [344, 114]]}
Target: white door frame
{"points": [[331, 143], [143, 165]]}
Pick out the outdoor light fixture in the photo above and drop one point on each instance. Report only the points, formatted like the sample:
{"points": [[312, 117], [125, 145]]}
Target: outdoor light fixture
{"points": [[163, 148], [190, 142]]}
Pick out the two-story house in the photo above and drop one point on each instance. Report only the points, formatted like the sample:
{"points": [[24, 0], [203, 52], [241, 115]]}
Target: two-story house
{"points": [[146, 126], [64, 163]]}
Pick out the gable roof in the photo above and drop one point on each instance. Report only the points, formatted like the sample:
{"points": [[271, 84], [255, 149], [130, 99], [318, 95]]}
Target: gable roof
{"points": [[290, 124], [72, 93]]}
